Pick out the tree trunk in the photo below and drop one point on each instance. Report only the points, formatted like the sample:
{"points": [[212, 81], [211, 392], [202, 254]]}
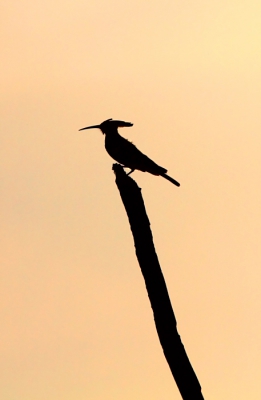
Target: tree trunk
{"points": [[164, 317]]}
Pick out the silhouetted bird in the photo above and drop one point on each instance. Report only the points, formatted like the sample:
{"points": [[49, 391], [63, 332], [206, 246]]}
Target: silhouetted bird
{"points": [[125, 152]]}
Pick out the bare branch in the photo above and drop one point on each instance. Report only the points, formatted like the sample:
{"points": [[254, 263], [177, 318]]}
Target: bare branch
{"points": [[164, 317]]}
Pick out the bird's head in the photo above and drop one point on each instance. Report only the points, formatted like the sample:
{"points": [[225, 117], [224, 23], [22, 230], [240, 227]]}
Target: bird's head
{"points": [[109, 126]]}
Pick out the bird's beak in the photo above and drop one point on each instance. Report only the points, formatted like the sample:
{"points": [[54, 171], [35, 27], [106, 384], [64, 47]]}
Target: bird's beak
{"points": [[90, 127]]}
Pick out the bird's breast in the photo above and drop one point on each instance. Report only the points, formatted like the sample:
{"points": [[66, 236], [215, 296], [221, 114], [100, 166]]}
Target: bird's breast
{"points": [[118, 148]]}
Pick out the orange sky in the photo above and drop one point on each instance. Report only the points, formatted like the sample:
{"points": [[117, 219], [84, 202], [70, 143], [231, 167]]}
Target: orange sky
{"points": [[75, 319]]}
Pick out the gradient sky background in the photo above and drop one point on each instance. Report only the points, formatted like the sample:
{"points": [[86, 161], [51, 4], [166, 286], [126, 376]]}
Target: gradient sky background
{"points": [[75, 319]]}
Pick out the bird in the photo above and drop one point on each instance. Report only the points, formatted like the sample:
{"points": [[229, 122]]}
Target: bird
{"points": [[125, 153]]}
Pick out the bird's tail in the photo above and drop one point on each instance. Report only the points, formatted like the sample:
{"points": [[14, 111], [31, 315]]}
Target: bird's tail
{"points": [[170, 179]]}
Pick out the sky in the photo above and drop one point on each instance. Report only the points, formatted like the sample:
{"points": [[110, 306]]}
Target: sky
{"points": [[75, 318]]}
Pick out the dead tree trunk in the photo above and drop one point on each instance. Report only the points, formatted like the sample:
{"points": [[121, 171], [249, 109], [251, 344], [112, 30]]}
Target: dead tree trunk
{"points": [[164, 317]]}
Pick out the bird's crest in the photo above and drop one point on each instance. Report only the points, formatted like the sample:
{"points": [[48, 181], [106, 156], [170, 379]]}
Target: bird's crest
{"points": [[115, 123]]}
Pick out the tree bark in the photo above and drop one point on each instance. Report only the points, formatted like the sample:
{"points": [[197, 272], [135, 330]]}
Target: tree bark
{"points": [[164, 317]]}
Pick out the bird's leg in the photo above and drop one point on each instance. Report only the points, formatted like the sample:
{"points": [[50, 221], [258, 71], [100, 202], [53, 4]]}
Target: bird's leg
{"points": [[131, 170]]}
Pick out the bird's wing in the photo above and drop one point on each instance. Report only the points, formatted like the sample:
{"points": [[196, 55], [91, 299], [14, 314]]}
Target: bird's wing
{"points": [[127, 154]]}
